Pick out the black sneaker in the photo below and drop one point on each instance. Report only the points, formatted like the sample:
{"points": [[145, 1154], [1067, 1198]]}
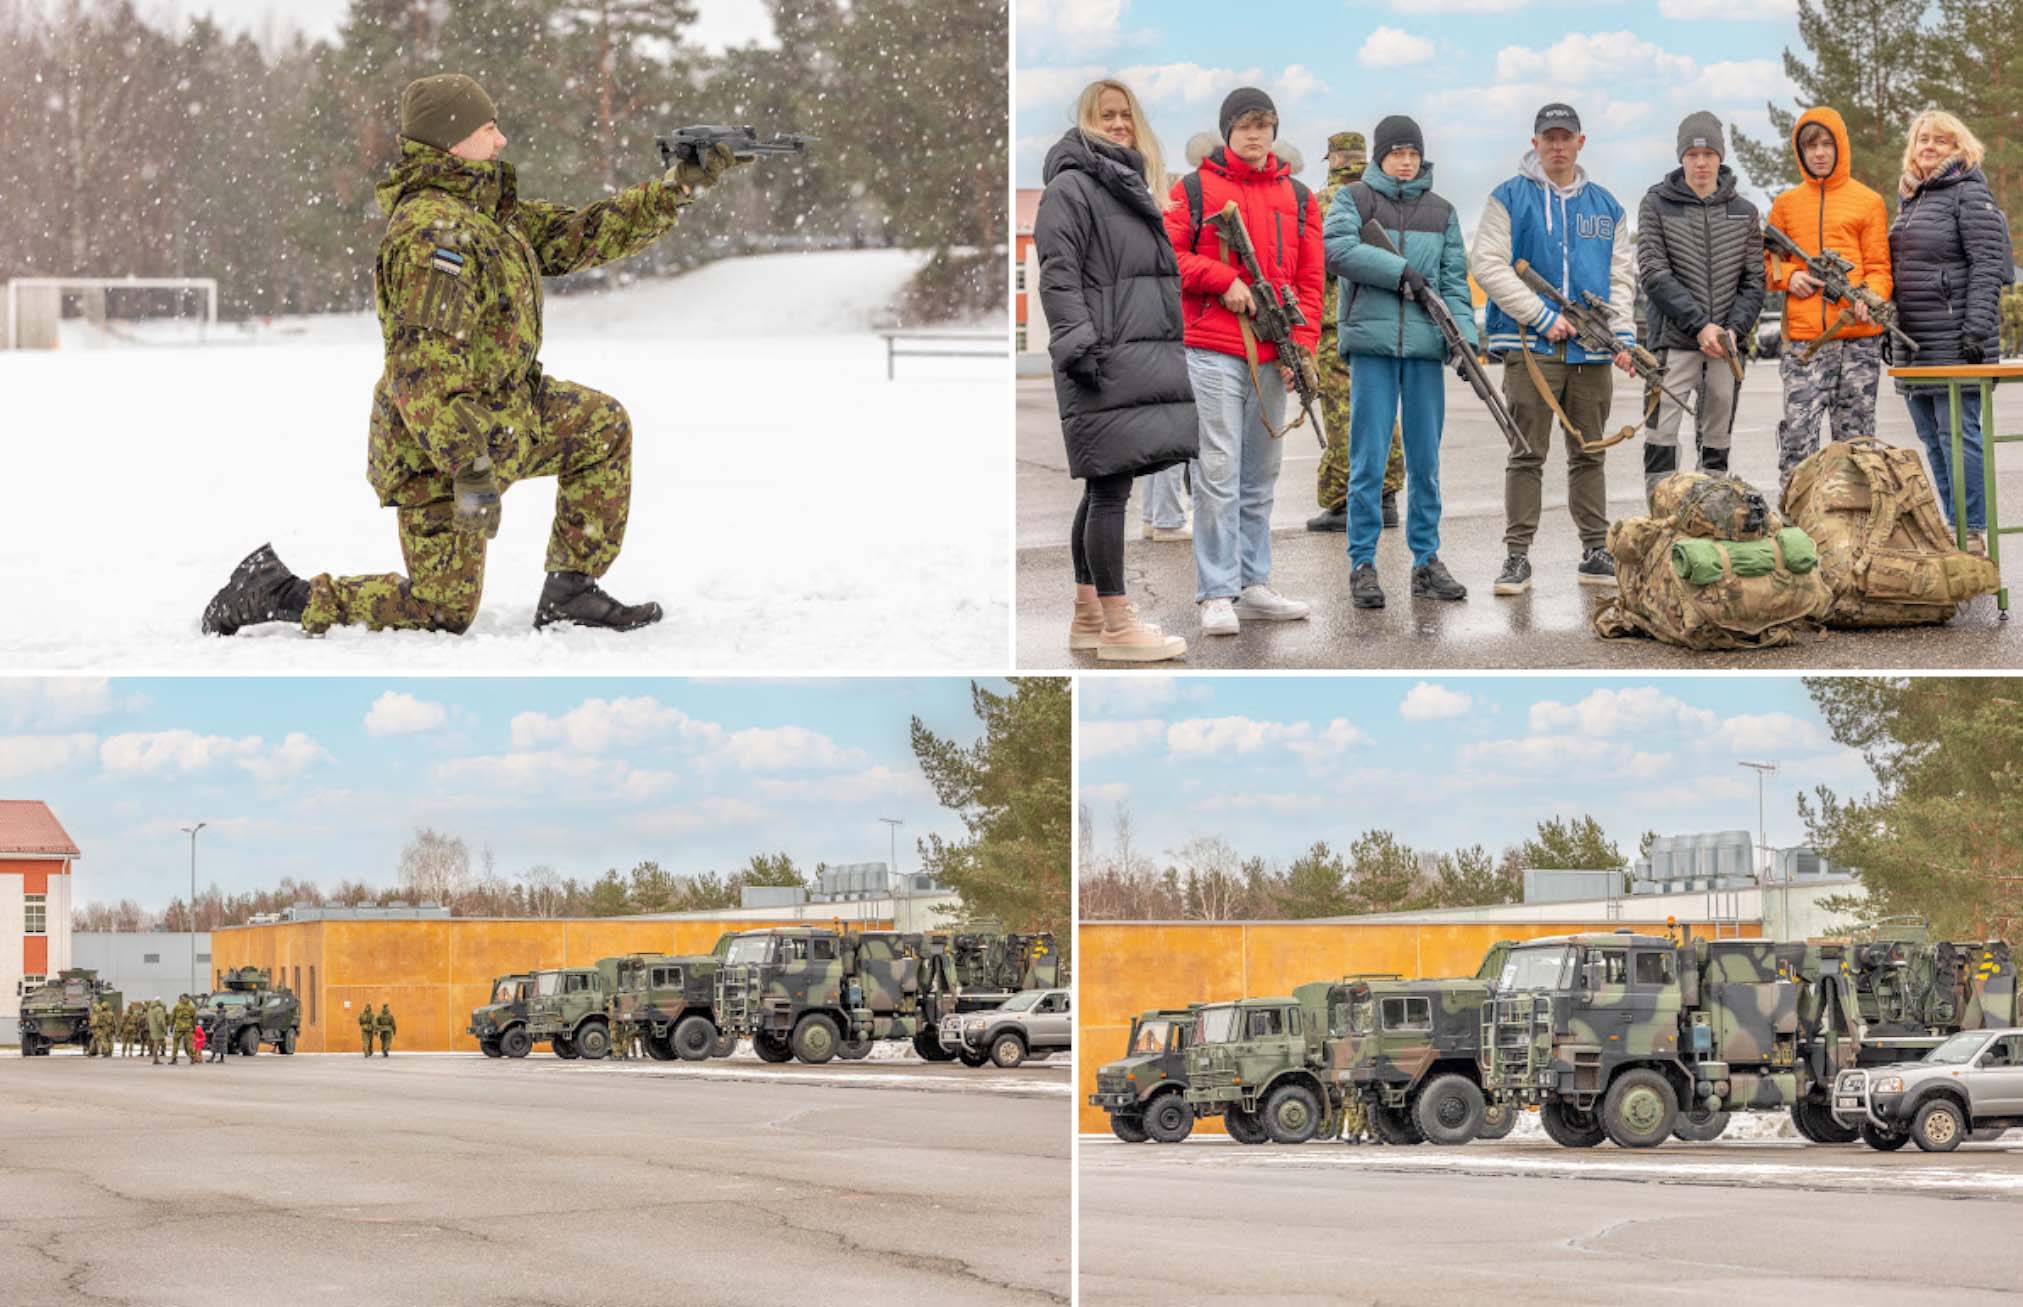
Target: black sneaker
{"points": [[1390, 508], [261, 589], [1515, 578], [1363, 587], [1434, 581], [574, 597], [1597, 567], [1330, 519]]}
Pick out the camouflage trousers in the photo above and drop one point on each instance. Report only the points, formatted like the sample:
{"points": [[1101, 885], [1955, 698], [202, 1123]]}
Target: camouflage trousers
{"points": [[1355, 1120], [385, 1042], [1331, 484], [1838, 384], [585, 441], [365, 1037], [184, 1044]]}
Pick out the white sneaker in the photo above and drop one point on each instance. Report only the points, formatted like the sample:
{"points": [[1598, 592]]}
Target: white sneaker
{"points": [[1267, 604], [1166, 533], [1218, 617]]}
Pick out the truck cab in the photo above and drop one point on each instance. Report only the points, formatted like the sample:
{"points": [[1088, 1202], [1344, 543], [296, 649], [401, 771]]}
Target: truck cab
{"points": [[671, 1002], [1409, 1050], [500, 1024], [1253, 1063], [567, 1008], [1151, 1075]]}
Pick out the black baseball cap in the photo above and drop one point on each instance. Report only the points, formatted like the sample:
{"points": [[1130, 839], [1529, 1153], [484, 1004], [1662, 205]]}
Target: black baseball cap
{"points": [[1556, 115]]}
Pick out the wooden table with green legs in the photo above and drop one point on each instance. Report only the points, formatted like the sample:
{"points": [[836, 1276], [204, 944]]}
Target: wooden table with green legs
{"points": [[1984, 377]]}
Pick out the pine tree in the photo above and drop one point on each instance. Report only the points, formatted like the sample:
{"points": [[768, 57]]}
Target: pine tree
{"points": [[1316, 885], [1577, 845]]}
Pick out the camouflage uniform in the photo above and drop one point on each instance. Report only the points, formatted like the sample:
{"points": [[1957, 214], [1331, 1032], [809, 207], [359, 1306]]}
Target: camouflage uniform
{"points": [[1355, 1121], [365, 1028], [1332, 482], [1838, 382], [383, 1024], [458, 291], [181, 1022], [130, 1030], [621, 1034], [158, 1027]]}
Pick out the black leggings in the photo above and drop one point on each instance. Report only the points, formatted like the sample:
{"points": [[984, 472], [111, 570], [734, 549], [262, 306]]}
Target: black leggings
{"points": [[1097, 541]]}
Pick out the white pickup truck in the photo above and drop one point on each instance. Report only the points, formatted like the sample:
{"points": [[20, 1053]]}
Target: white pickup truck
{"points": [[1969, 1086], [1033, 1022]]}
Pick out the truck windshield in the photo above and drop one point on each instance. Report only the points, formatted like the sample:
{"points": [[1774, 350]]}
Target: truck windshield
{"points": [[1217, 1025], [1537, 968], [756, 948], [1959, 1050], [1151, 1037]]}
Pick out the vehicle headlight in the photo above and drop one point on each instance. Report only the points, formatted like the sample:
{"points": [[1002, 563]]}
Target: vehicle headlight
{"points": [[1889, 1085], [975, 1027]]}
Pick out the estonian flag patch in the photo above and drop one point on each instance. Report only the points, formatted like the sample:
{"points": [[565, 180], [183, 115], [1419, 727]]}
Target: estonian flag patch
{"points": [[447, 260]]}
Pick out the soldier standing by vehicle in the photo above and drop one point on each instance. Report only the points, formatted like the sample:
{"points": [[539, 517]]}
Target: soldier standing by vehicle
{"points": [[1356, 1121], [1347, 158], [366, 1026], [463, 409], [384, 1026], [182, 1022], [130, 1030], [621, 1034], [158, 1027]]}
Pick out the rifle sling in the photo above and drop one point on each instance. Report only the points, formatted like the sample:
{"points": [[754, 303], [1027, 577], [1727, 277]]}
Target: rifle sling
{"points": [[1545, 393]]}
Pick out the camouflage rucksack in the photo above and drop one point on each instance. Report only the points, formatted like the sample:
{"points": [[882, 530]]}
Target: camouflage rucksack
{"points": [[1883, 547], [1733, 612]]}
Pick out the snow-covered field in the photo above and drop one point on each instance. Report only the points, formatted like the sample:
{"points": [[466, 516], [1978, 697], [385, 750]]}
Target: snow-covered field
{"points": [[791, 510]]}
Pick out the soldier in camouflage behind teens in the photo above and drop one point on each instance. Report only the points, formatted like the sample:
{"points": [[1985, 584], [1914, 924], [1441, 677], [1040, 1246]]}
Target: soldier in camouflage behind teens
{"points": [[1348, 156], [463, 409]]}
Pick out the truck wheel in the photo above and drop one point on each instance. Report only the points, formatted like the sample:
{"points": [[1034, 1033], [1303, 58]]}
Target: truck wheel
{"points": [[1243, 1127], [1570, 1126], [489, 1047], [1818, 1125], [1883, 1141], [853, 1050], [287, 1044], [1700, 1126], [1168, 1119], [771, 1048], [1130, 1129], [969, 1057], [516, 1042], [691, 1038], [249, 1041], [928, 1044], [815, 1038], [1394, 1125], [1291, 1114], [724, 1046], [659, 1047], [28, 1046], [564, 1049], [1008, 1050], [1498, 1120], [1640, 1109], [1448, 1110], [593, 1040], [1939, 1126]]}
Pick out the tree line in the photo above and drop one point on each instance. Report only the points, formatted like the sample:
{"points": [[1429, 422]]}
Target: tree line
{"points": [[129, 150]]}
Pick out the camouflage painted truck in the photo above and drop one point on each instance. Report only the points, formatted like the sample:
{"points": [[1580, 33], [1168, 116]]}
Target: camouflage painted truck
{"points": [[58, 1011], [252, 1012], [500, 1024], [817, 993], [671, 1002], [568, 1009], [1149, 1083]]}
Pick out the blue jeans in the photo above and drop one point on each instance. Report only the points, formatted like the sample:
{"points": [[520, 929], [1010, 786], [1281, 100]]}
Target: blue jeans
{"points": [[1931, 414], [1163, 502], [1414, 392], [1236, 476]]}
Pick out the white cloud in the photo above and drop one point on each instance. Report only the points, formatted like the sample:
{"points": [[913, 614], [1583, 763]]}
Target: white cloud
{"points": [[704, 814], [1771, 733], [1640, 710], [596, 725], [1647, 766], [1581, 58], [1080, 24], [1532, 757], [523, 771], [1389, 47], [1186, 82], [1728, 11], [1422, 7], [1039, 87], [1738, 82], [1134, 696], [1339, 736], [1273, 804], [1297, 82], [177, 752], [1208, 736], [40, 755], [640, 784], [1102, 739], [1428, 702], [1110, 792], [56, 701], [394, 713], [785, 748], [285, 761], [879, 782], [220, 825]]}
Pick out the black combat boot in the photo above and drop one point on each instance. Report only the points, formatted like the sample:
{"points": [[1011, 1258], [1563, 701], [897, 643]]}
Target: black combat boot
{"points": [[1330, 519], [574, 597], [262, 589], [1390, 508]]}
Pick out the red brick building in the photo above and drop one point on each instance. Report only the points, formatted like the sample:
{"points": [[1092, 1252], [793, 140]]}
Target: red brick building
{"points": [[1029, 324], [35, 857]]}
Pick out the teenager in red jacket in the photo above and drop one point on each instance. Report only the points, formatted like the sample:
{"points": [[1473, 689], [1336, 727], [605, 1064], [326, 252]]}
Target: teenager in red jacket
{"points": [[1237, 474]]}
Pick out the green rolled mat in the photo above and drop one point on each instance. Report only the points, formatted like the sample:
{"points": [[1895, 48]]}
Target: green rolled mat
{"points": [[1699, 562]]}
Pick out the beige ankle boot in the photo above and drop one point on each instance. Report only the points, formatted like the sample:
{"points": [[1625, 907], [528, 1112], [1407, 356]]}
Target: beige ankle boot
{"points": [[1126, 639], [1086, 631]]}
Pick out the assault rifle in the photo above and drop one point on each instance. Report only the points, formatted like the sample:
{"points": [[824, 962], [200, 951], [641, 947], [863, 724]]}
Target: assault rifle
{"points": [[1594, 330], [691, 143], [1830, 270], [1275, 313], [1465, 361]]}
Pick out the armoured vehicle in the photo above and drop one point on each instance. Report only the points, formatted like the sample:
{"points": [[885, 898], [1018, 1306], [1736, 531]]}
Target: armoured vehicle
{"points": [[500, 1024], [567, 1008], [672, 1003], [253, 1014], [1150, 1081], [1035, 1021], [1972, 1083], [58, 1011], [817, 993]]}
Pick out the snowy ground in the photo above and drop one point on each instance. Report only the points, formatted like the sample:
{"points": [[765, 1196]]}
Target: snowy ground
{"points": [[792, 509]]}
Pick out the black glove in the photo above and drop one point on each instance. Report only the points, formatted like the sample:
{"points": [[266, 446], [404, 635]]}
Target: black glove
{"points": [[1972, 351], [476, 503], [1411, 283], [1088, 369], [710, 166]]}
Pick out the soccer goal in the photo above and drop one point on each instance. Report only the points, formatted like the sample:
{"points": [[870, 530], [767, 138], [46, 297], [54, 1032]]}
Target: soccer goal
{"points": [[112, 309]]}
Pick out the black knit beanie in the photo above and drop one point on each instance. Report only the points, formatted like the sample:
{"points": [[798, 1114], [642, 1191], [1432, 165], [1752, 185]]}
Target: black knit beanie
{"points": [[1243, 100], [1393, 133]]}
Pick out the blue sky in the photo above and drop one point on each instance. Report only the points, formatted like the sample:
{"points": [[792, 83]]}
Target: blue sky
{"points": [[327, 779], [1471, 72], [1272, 764]]}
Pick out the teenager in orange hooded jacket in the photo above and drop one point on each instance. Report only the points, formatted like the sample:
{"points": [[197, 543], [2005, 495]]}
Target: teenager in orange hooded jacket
{"points": [[1827, 210]]}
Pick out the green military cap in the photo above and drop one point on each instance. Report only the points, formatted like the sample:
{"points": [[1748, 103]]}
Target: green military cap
{"points": [[1350, 141], [444, 109]]}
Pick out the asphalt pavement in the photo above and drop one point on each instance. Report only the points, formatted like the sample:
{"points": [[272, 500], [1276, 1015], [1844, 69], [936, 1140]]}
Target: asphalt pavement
{"points": [[1546, 628], [1772, 1222], [454, 1179]]}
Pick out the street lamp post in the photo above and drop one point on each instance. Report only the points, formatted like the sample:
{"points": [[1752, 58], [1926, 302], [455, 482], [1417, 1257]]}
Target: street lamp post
{"points": [[1763, 769], [892, 824], [191, 831]]}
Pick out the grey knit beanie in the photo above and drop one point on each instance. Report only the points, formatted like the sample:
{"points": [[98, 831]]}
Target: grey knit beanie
{"points": [[1701, 131]]}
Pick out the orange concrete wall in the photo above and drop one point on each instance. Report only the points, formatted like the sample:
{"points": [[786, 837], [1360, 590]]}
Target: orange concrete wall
{"points": [[1124, 968], [435, 972]]}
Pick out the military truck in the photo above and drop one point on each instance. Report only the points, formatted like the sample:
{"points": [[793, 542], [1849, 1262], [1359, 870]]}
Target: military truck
{"points": [[58, 1011], [1408, 1050], [672, 1003], [818, 993], [567, 1009], [253, 1014], [500, 1024], [1150, 1081]]}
